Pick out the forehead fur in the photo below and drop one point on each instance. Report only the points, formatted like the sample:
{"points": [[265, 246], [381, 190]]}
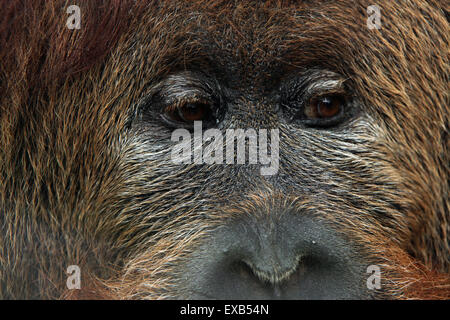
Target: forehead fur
{"points": [[239, 41]]}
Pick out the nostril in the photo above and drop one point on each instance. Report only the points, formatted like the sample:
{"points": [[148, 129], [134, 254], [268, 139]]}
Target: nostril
{"points": [[268, 273], [267, 279], [244, 271], [298, 258]]}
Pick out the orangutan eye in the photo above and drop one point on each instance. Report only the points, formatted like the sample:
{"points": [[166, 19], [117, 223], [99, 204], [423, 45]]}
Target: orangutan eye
{"points": [[187, 112], [324, 107], [324, 110]]}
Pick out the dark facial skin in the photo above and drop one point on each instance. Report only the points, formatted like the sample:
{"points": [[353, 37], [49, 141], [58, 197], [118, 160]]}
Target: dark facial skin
{"points": [[281, 247]]}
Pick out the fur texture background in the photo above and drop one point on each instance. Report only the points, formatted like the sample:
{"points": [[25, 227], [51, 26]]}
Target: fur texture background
{"points": [[80, 185]]}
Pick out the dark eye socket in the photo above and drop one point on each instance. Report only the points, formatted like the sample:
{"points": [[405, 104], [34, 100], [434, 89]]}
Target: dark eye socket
{"points": [[188, 112]]}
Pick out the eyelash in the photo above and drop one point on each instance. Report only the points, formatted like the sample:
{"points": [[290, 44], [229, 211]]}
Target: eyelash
{"points": [[188, 111]]}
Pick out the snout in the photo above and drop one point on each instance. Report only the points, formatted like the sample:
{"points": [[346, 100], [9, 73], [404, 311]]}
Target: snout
{"points": [[288, 257]]}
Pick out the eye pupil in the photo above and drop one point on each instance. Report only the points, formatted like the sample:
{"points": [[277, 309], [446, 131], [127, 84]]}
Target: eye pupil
{"points": [[324, 107], [193, 111], [328, 107]]}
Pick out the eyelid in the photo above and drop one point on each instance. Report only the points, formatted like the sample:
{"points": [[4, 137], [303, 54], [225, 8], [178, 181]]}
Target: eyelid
{"points": [[184, 86], [326, 87], [180, 106], [184, 101]]}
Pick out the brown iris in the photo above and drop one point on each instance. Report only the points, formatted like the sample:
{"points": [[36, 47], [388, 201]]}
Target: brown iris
{"points": [[324, 107], [188, 112]]}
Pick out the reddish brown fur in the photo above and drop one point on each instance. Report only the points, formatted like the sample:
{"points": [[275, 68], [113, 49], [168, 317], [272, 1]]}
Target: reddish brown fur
{"points": [[52, 172]]}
